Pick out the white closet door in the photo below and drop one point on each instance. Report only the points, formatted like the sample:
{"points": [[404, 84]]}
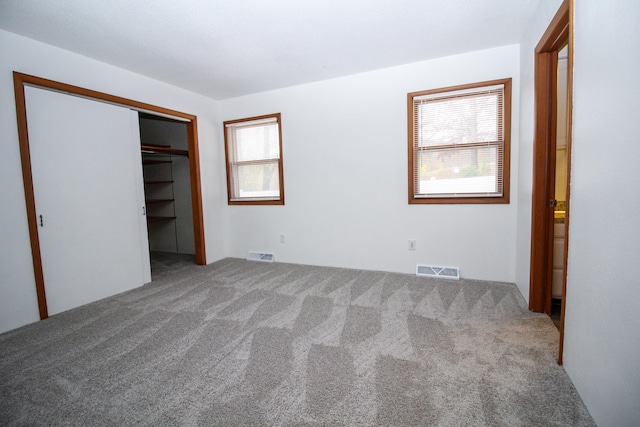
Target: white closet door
{"points": [[86, 168]]}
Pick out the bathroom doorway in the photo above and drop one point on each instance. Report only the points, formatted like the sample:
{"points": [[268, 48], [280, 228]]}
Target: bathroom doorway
{"points": [[544, 203], [561, 182]]}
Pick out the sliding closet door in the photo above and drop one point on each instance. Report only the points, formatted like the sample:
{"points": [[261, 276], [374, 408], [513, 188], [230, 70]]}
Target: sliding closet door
{"points": [[86, 168]]}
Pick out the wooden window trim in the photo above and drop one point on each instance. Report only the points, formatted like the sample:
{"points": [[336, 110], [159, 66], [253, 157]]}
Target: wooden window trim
{"points": [[232, 165], [506, 161]]}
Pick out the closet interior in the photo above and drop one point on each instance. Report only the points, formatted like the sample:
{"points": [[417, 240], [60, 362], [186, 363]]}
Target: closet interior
{"points": [[167, 187]]}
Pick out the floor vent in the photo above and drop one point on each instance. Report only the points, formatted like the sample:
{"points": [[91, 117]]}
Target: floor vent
{"points": [[261, 256], [442, 272]]}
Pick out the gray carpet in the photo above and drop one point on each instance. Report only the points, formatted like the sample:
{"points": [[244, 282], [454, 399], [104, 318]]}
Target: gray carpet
{"points": [[248, 343]]}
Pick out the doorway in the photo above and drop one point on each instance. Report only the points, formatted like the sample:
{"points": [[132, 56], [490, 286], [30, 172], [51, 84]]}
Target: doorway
{"points": [[165, 166], [560, 176], [545, 207]]}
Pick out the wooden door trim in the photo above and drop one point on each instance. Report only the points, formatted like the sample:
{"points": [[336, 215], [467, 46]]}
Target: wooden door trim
{"points": [[555, 37], [545, 98], [542, 173], [19, 82], [27, 178]]}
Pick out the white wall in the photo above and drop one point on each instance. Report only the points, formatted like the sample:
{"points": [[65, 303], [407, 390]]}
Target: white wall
{"points": [[539, 22], [602, 340], [18, 304], [345, 169]]}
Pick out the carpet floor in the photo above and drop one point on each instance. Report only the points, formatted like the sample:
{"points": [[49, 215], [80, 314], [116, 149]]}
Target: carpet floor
{"points": [[248, 343]]}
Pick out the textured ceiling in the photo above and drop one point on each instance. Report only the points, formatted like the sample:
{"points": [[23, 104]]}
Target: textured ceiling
{"points": [[228, 48]]}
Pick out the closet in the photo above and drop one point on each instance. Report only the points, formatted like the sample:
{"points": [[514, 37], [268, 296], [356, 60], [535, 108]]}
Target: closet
{"points": [[85, 197]]}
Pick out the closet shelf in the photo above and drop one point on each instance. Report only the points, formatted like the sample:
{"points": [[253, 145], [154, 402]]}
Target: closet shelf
{"points": [[162, 149], [158, 182], [158, 200], [155, 162], [160, 218]]}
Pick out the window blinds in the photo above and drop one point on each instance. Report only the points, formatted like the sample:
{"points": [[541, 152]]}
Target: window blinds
{"points": [[458, 143]]}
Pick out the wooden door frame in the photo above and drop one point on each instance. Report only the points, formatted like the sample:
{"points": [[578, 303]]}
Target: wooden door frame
{"points": [[19, 82], [554, 38]]}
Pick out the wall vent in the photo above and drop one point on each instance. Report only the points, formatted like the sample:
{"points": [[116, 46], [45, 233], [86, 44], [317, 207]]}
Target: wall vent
{"points": [[261, 256], [442, 272]]}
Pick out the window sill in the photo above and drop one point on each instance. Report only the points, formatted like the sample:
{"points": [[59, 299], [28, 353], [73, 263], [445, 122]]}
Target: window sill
{"points": [[504, 200]]}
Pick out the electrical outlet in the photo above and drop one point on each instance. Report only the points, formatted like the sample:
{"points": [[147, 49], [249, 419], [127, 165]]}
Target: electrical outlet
{"points": [[282, 238], [412, 244]]}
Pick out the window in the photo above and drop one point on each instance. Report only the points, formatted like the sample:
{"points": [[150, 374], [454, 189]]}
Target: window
{"points": [[459, 143], [253, 148]]}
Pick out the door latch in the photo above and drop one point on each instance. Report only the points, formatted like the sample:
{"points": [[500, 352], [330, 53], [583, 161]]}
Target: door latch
{"points": [[553, 203]]}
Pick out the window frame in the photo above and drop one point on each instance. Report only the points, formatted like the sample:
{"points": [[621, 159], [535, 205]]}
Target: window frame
{"points": [[230, 164], [506, 152]]}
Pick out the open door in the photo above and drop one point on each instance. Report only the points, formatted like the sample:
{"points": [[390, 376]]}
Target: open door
{"points": [[554, 39]]}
